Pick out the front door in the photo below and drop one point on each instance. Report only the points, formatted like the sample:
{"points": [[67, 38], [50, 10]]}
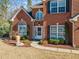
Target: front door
{"points": [[38, 32]]}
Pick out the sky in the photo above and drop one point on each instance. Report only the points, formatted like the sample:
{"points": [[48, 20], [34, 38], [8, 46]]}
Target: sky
{"points": [[17, 3]]}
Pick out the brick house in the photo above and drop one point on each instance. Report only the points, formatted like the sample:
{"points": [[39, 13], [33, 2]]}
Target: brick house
{"points": [[51, 19]]}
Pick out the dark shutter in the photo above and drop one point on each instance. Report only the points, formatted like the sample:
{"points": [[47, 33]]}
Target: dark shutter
{"points": [[48, 32], [48, 6], [67, 5]]}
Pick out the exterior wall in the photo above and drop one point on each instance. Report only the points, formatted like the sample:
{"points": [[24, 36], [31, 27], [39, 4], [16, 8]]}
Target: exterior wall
{"points": [[38, 23], [57, 18], [75, 7], [76, 33], [26, 18], [49, 19], [52, 19]]}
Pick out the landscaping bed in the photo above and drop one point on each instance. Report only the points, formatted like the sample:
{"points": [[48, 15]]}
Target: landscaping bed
{"points": [[13, 42], [55, 43]]}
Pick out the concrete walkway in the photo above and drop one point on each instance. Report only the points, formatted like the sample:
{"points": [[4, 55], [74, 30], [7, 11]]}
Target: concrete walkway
{"points": [[36, 45]]}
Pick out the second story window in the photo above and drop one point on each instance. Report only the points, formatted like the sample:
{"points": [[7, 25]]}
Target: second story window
{"points": [[39, 15], [57, 6]]}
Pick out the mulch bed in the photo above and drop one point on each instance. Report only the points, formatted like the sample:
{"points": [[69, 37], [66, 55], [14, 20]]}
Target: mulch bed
{"points": [[59, 46], [13, 43]]}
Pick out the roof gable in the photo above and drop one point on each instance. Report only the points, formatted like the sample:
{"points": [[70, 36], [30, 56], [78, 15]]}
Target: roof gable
{"points": [[21, 8]]}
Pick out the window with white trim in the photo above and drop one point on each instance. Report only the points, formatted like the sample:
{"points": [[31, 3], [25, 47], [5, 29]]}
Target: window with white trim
{"points": [[57, 30], [22, 28], [39, 15], [57, 6]]}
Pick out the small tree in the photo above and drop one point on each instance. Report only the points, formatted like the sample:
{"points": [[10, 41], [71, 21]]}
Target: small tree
{"points": [[4, 27]]}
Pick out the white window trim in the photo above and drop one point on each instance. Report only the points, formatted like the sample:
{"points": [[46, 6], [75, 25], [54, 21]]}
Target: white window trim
{"points": [[22, 21], [57, 8], [57, 25]]}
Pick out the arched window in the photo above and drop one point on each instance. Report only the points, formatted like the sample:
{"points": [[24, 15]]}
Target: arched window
{"points": [[39, 15]]}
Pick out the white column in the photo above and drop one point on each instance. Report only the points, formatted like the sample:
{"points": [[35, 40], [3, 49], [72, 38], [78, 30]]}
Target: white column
{"points": [[57, 29]]}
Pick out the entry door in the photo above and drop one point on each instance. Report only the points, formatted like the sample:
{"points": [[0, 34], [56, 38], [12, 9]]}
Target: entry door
{"points": [[22, 29], [38, 32]]}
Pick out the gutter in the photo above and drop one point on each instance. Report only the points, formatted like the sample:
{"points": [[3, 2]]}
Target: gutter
{"points": [[73, 34]]}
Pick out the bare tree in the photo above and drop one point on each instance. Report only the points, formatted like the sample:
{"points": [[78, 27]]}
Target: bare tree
{"points": [[4, 6]]}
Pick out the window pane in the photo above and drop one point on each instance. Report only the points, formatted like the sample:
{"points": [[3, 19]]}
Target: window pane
{"points": [[53, 4], [61, 9], [61, 3], [53, 10], [61, 29], [53, 35], [61, 35], [39, 31], [39, 15], [53, 1]]}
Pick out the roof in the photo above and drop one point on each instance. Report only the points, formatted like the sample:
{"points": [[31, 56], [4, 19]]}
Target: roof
{"points": [[39, 5], [74, 18], [22, 8]]}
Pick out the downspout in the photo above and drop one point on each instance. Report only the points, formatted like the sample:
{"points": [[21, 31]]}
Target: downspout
{"points": [[73, 32]]}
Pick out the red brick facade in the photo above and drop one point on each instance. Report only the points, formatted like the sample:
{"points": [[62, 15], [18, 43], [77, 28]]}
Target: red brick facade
{"points": [[51, 19], [26, 18], [75, 7]]}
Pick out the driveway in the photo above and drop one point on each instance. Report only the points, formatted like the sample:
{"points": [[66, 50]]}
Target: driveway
{"points": [[13, 52]]}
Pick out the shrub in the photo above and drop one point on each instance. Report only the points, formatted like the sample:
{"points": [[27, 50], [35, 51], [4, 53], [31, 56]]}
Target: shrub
{"points": [[4, 27], [13, 38], [24, 38], [54, 41], [62, 41], [40, 42], [43, 42], [26, 42]]}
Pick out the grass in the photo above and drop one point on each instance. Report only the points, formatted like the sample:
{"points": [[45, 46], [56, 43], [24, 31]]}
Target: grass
{"points": [[10, 52]]}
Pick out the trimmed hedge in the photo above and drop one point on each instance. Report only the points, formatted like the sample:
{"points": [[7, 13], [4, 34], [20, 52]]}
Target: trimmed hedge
{"points": [[54, 41], [62, 41]]}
